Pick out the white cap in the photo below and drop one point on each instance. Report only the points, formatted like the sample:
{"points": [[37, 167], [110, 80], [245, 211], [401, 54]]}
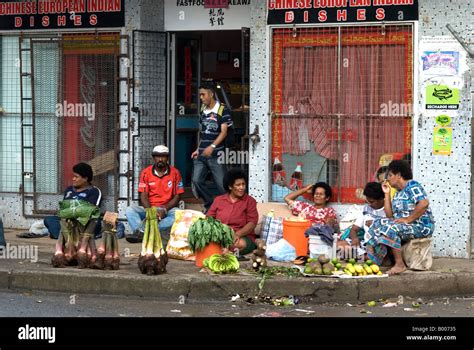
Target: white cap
{"points": [[160, 149]]}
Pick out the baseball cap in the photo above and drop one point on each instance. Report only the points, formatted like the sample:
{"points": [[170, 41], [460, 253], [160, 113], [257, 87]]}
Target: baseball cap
{"points": [[160, 149]]}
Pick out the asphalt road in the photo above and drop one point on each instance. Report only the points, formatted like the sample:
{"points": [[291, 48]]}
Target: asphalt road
{"points": [[42, 304]]}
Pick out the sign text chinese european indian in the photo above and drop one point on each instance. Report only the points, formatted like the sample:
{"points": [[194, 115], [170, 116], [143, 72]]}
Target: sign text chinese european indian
{"points": [[53, 14], [340, 11]]}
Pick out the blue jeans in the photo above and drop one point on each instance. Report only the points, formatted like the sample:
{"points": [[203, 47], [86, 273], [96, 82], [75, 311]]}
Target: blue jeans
{"points": [[54, 227], [2, 234], [202, 167], [136, 219]]}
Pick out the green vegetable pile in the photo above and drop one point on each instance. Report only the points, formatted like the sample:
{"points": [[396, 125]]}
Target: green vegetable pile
{"points": [[209, 230]]}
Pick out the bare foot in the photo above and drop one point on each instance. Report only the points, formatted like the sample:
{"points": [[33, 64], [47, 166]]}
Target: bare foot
{"points": [[396, 269]]}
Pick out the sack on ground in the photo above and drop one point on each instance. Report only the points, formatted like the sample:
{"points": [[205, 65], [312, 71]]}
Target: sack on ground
{"points": [[281, 251], [417, 254], [272, 229], [178, 246]]}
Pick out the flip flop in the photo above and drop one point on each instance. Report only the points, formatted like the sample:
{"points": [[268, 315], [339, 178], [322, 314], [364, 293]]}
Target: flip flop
{"points": [[301, 260], [30, 235]]}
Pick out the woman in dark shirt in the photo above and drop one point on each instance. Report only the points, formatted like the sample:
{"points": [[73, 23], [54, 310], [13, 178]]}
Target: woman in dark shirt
{"points": [[238, 210]]}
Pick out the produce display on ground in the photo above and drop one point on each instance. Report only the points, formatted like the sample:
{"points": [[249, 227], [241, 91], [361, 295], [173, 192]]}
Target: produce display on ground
{"points": [[325, 267]]}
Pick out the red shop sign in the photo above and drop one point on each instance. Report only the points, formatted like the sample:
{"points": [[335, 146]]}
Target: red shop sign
{"points": [[213, 4]]}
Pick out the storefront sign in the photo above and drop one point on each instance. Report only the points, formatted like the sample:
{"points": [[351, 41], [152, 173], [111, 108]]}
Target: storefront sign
{"points": [[340, 11], [186, 15], [51, 14]]}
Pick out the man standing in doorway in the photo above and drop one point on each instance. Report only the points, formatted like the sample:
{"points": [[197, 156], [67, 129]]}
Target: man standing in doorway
{"points": [[214, 122], [160, 186]]}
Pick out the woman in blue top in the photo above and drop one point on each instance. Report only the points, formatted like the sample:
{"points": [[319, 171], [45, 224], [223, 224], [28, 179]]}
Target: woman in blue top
{"points": [[408, 216]]}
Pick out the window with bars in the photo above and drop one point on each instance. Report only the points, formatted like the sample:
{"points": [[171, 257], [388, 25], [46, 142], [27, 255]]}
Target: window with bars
{"points": [[341, 105], [69, 102]]}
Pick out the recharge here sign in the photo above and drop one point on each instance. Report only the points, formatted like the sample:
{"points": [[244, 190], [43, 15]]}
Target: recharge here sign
{"points": [[57, 14], [340, 11]]}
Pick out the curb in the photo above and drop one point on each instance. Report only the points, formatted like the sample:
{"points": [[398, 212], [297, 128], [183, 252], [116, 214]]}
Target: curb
{"points": [[221, 288]]}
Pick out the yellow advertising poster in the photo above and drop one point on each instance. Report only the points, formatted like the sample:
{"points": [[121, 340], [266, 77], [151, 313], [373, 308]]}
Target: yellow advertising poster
{"points": [[442, 140]]}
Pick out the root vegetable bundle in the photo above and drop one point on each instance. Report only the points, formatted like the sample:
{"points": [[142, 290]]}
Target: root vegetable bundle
{"points": [[153, 258], [108, 256], [66, 245], [258, 258]]}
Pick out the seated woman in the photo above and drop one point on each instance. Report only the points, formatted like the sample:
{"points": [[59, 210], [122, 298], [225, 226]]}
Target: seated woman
{"points": [[408, 217], [238, 210], [318, 212]]}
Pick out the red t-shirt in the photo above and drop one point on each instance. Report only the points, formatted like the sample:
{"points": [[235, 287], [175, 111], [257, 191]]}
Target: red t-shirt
{"points": [[237, 214], [160, 190]]}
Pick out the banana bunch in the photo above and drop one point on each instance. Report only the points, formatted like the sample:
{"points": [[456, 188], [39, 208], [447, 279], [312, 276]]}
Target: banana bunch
{"points": [[222, 263], [368, 268]]}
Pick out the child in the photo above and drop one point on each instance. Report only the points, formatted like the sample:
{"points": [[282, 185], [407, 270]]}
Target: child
{"points": [[374, 209]]}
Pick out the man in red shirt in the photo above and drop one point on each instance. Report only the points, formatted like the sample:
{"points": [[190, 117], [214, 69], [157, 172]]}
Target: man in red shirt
{"points": [[160, 186]]}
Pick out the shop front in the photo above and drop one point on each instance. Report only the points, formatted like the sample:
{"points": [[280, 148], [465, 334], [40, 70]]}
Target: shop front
{"points": [[59, 88], [341, 88], [333, 86], [207, 43]]}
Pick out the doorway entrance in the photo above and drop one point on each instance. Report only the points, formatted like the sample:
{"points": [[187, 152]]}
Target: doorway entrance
{"points": [[218, 56]]}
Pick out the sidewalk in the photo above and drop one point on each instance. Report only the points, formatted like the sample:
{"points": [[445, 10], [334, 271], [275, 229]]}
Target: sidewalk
{"points": [[449, 277]]}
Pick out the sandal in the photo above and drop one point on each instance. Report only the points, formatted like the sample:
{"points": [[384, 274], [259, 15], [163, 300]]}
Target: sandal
{"points": [[301, 260]]}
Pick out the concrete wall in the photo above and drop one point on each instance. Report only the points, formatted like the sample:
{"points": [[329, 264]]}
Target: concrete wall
{"points": [[259, 161], [447, 179]]}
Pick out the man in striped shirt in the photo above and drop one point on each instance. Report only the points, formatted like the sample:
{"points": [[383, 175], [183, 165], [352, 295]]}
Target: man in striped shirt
{"points": [[214, 123]]}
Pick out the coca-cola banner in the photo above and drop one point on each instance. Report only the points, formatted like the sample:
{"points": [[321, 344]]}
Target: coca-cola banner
{"points": [[54, 14], [340, 11]]}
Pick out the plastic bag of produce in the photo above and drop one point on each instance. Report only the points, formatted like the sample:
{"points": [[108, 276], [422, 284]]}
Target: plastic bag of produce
{"points": [[178, 246]]}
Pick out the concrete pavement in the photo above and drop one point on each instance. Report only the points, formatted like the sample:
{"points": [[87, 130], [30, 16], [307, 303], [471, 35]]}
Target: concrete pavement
{"points": [[185, 282]]}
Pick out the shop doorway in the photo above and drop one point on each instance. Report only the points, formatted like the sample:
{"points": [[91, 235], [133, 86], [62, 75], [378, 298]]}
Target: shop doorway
{"points": [[220, 56]]}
